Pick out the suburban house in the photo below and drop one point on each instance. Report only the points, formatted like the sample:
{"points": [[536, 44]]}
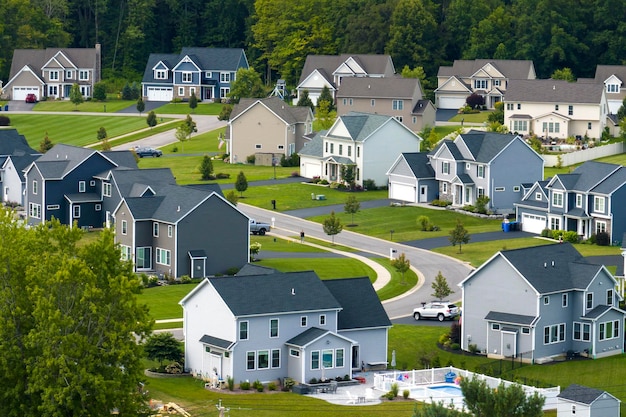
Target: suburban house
{"points": [[613, 78], [412, 179], [369, 143], [181, 231], [321, 71], [15, 155], [489, 78], [271, 326], [479, 163], [578, 400], [398, 97], [206, 72], [266, 127], [589, 200], [540, 303], [555, 108], [51, 72]]}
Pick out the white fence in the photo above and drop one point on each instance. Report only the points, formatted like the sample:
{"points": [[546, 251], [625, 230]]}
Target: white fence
{"points": [[576, 157], [416, 378]]}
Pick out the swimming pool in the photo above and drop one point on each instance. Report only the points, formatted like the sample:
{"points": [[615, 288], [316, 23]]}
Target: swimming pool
{"points": [[446, 393]]}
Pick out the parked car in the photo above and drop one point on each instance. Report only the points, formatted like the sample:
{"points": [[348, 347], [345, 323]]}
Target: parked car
{"points": [[146, 151], [31, 98], [440, 310], [259, 228]]}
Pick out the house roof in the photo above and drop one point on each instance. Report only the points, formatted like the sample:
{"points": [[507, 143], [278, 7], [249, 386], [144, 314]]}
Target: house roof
{"points": [[133, 182], [615, 181], [251, 269], [553, 91], [588, 175], [289, 114], [603, 72], [327, 64], [307, 336], [315, 147], [37, 58], [212, 187], [512, 69], [485, 146], [62, 159], [12, 143], [582, 394], [597, 312], [379, 87], [216, 341], [361, 307], [121, 158], [21, 163], [274, 293], [511, 318], [361, 126], [419, 164], [454, 150]]}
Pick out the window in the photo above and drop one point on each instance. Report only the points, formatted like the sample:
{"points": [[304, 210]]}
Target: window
{"points": [[81, 186], [325, 146], [509, 106], [34, 210], [98, 207], [243, 330], [170, 230], [480, 171], [598, 204], [125, 252], [519, 106], [339, 358], [564, 300], [143, 258], [609, 330], [53, 207], [495, 326], [557, 199], [349, 150], [444, 188], [589, 125], [414, 119], [398, 118], [294, 352], [554, 334], [328, 358], [281, 147], [124, 227], [546, 300], [582, 331], [275, 358], [445, 168], [397, 105], [589, 301], [520, 125], [340, 149], [358, 151], [538, 196], [496, 83], [160, 74], [155, 229], [555, 223], [525, 330], [76, 212], [322, 319], [273, 327], [480, 192], [54, 75], [609, 297], [516, 188], [250, 360], [556, 107], [52, 90], [163, 256], [480, 84], [225, 77], [345, 101], [600, 226], [579, 200], [186, 77], [263, 359], [612, 88], [83, 75], [303, 321], [570, 110], [208, 74], [315, 359], [500, 189], [373, 103], [106, 189], [350, 102], [258, 146], [181, 91], [35, 184], [224, 92], [69, 74], [332, 148]]}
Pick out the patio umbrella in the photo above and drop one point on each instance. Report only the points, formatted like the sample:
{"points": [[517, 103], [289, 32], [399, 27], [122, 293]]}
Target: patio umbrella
{"points": [[393, 358]]}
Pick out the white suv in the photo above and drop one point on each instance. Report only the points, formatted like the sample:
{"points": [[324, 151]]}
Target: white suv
{"points": [[441, 310]]}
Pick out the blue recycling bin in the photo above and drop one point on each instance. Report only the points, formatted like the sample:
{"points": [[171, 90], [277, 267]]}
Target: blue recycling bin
{"points": [[6, 107], [449, 377], [506, 227]]}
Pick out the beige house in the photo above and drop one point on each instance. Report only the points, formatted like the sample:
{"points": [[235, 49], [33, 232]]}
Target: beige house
{"points": [[51, 72], [267, 128], [613, 77], [398, 97], [555, 108], [488, 78]]}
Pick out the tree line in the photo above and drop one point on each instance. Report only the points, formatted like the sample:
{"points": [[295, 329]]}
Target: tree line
{"points": [[278, 34]]}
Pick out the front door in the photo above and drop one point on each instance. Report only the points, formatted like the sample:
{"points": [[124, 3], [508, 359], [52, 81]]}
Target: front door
{"points": [[509, 344], [423, 194], [356, 361], [197, 267]]}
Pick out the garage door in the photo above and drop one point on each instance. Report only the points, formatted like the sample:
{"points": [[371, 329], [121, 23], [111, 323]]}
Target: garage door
{"points": [[311, 170], [451, 102], [533, 224], [160, 93], [19, 93], [402, 192]]}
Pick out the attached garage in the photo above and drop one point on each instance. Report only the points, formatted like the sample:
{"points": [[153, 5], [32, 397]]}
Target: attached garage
{"points": [[451, 102], [19, 93], [402, 192], [533, 224], [311, 169], [160, 93]]}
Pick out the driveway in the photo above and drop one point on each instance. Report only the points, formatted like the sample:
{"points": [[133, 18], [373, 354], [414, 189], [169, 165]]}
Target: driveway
{"points": [[150, 105]]}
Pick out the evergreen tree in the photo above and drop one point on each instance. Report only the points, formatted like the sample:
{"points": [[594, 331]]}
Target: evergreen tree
{"points": [[332, 226], [241, 184], [232, 197], [102, 133], [46, 144], [127, 92], [459, 235], [193, 102], [76, 97], [99, 91], [305, 100], [348, 175], [326, 96], [440, 287], [141, 105], [206, 168], [151, 119]]}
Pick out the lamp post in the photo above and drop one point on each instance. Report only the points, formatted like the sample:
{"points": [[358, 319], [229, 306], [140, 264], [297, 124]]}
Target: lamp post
{"points": [[274, 165], [391, 234]]}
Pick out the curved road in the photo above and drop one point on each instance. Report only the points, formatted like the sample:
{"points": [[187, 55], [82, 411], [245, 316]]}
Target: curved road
{"points": [[428, 263]]}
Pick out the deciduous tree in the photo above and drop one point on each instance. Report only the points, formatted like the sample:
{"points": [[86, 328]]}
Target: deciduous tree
{"points": [[459, 235], [247, 84], [141, 105], [352, 207], [151, 119], [332, 226], [76, 97], [193, 102], [402, 264], [163, 347], [503, 401], [206, 168]]}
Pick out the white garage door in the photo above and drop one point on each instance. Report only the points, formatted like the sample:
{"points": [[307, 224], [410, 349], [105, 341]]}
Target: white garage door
{"points": [[451, 102], [311, 170], [402, 192], [160, 93], [19, 93], [533, 224]]}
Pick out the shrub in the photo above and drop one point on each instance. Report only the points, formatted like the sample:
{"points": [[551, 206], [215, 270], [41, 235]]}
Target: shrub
{"points": [[546, 233], [185, 279], [244, 385], [258, 385], [481, 204], [424, 222], [222, 176], [174, 149], [324, 182], [271, 386], [346, 377], [174, 368], [394, 389], [441, 203], [472, 347], [295, 174], [406, 393], [288, 383], [231, 383], [313, 381], [251, 159], [455, 346], [455, 332], [602, 239], [5, 121], [369, 184], [571, 236], [232, 271]]}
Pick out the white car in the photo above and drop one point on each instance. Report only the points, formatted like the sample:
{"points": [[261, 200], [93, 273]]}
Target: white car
{"points": [[439, 310]]}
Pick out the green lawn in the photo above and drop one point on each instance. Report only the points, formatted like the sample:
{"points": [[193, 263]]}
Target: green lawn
{"points": [[325, 268], [398, 284], [163, 301], [109, 106], [199, 144], [183, 108], [472, 117]]}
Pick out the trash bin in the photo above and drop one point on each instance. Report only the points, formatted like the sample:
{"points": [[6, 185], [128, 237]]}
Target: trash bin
{"points": [[449, 377], [506, 227], [6, 107]]}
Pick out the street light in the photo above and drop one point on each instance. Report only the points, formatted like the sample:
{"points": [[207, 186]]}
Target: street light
{"points": [[274, 165], [391, 234]]}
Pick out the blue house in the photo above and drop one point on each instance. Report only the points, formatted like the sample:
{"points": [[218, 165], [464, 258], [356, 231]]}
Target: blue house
{"points": [[539, 303], [206, 72], [274, 325]]}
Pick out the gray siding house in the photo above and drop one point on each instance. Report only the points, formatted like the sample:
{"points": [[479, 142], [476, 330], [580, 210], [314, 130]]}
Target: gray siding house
{"points": [[271, 326], [539, 303], [412, 179], [15, 155], [578, 400]]}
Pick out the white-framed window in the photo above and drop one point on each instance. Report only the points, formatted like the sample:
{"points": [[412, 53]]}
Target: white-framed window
{"points": [[358, 151], [208, 74], [598, 204], [480, 192], [275, 358], [84, 90], [554, 334], [98, 207], [555, 223], [225, 77], [143, 258], [250, 360], [294, 353], [345, 101], [609, 330], [397, 105], [496, 83], [557, 199], [609, 297], [519, 106], [600, 226], [480, 84], [581, 331], [243, 330], [53, 207], [92, 183], [520, 125], [170, 230], [35, 187], [495, 326], [538, 196], [315, 359], [303, 321], [322, 319], [81, 186], [546, 300], [444, 187], [106, 189], [328, 358], [589, 125], [181, 91], [69, 74], [54, 75], [263, 359], [414, 119], [76, 212], [163, 256], [579, 200], [570, 110], [53, 90], [34, 210], [445, 167], [480, 171], [349, 150], [564, 300], [350, 101], [155, 229], [273, 328], [332, 148], [612, 88], [373, 102], [525, 330], [516, 188], [124, 227], [556, 107], [510, 106], [224, 92], [339, 358], [398, 118], [83, 75], [126, 253], [500, 189], [340, 149], [186, 77], [589, 301], [160, 74]]}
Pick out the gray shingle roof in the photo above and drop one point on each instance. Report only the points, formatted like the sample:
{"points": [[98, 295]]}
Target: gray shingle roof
{"points": [[391, 87], [274, 293], [360, 303], [315, 147], [605, 71], [251, 269], [597, 312], [484, 146], [454, 150], [169, 60], [587, 176], [216, 188], [327, 64], [418, 162], [512, 69], [289, 114], [360, 126], [553, 91], [12, 143], [465, 179], [510, 318], [36, 58], [216, 341], [127, 180], [307, 336], [122, 158], [615, 181], [62, 159], [580, 394]]}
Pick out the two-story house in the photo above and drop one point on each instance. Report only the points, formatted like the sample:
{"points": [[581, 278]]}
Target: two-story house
{"points": [[267, 126], [399, 97], [487, 164], [206, 72], [589, 200], [613, 78], [486, 77], [15, 155], [271, 326], [368, 142], [555, 108], [321, 71], [51, 72], [539, 303]]}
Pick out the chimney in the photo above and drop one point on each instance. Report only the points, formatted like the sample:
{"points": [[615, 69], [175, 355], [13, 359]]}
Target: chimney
{"points": [[97, 64]]}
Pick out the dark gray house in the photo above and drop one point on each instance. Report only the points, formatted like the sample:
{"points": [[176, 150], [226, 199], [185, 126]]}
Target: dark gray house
{"points": [[412, 179]]}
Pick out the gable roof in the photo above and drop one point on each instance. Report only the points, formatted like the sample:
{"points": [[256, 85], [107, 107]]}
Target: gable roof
{"points": [[62, 159], [361, 126], [379, 65], [582, 394], [388, 87], [130, 181], [511, 69], [603, 72], [288, 114], [554, 91], [361, 307], [419, 164], [485, 146], [37, 58], [211, 187], [586, 176], [315, 147], [12, 143]]}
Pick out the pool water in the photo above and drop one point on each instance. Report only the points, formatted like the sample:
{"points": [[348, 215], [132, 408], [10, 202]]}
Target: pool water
{"points": [[449, 394], [448, 389]]}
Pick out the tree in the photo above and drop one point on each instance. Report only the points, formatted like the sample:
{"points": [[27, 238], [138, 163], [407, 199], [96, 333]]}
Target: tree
{"points": [[475, 100], [255, 248], [498, 114], [141, 105], [348, 175], [182, 134], [76, 97], [69, 323], [440, 287], [417, 72], [127, 92], [332, 226], [503, 401], [459, 235], [324, 118], [326, 96], [103, 137], [163, 347], [225, 113], [191, 125], [99, 91], [436, 409], [46, 144], [351, 207], [206, 168], [563, 74], [621, 112], [241, 184], [193, 102], [424, 223], [402, 264], [248, 84], [102, 133], [304, 100], [151, 119], [232, 197]]}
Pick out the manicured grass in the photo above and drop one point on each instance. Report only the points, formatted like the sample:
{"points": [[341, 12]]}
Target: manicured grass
{"points": [[472, 117], [325, 268], [111, 106], [70, 129], [167, 124], [163, 301], [183, 108], [272, 244], [398, 284], [477, 253], [199, 144], [443, 131]]}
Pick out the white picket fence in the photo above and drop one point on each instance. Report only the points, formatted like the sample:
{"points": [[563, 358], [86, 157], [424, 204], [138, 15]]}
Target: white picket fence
{"points": [[576, 157]]}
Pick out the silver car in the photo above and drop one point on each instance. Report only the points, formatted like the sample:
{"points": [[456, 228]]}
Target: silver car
{"points": [[440, 310]]}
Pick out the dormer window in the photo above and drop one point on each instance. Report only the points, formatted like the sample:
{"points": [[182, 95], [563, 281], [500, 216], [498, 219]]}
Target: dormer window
{"points": [[187, 77], [160, 74], [612, 88]]}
